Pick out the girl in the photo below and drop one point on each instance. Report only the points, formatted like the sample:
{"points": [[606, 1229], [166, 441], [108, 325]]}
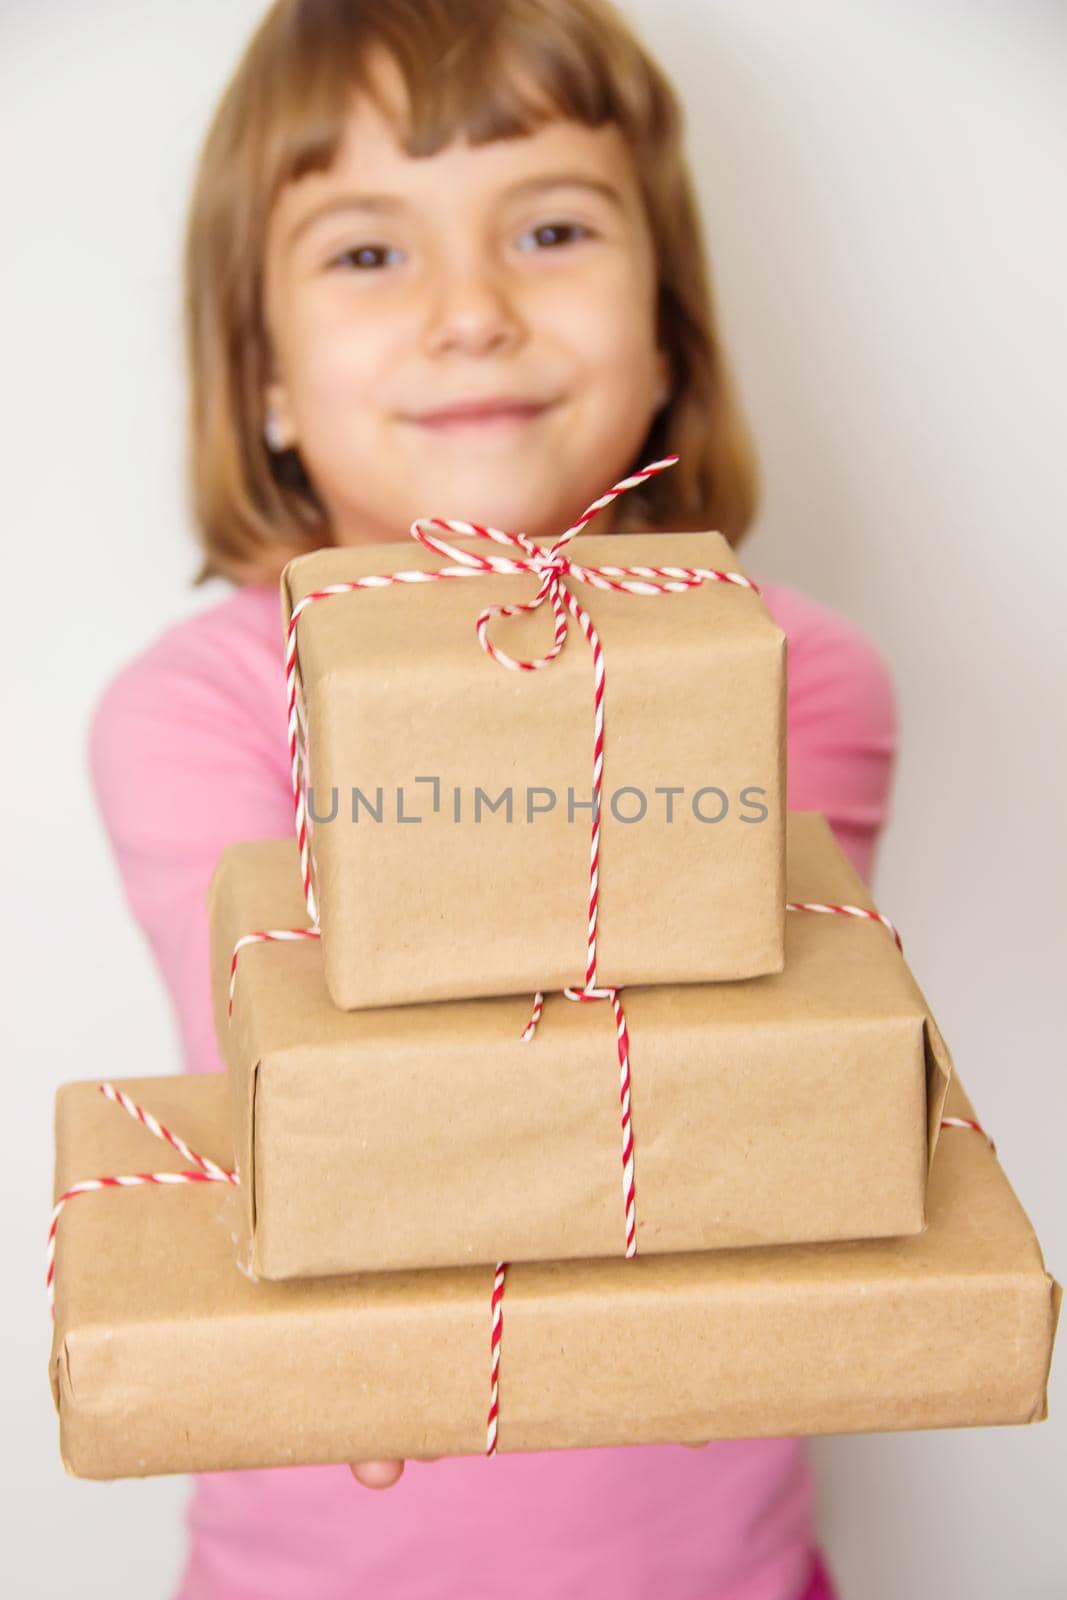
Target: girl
{"points": [[443, 259]]}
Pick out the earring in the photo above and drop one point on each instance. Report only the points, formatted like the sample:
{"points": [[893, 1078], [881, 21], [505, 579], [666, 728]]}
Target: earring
{"points": [[272, 432]]}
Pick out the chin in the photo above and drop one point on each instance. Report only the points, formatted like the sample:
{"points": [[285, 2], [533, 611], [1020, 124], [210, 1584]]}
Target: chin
{"points": [[467, 497]]}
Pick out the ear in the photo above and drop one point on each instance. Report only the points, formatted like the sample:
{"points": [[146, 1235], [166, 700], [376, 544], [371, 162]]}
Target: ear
{"points": [[278, 427]]}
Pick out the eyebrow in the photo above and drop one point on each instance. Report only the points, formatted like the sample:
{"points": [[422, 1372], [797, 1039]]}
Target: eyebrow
{"points": [[391, 204]]}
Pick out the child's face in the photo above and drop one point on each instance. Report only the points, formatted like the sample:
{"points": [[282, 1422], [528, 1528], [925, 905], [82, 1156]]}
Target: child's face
{"points": [[480, 279]]}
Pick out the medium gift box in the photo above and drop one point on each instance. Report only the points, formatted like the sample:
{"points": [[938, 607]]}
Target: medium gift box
{"points": [[166, 1358], [445, 791], [799, 1106]]}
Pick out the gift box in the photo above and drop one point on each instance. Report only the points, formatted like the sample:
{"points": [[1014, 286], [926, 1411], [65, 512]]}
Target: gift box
{"points": [[166, 1358], [450, 799], [799, 1106]]}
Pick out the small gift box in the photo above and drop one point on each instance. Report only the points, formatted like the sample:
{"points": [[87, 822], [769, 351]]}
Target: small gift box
{"points": [[802, 1105], [166, 1358], [445, 773]]}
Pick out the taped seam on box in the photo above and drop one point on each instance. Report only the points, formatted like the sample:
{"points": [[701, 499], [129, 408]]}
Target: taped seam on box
{"points": [[286, 597], [1055, 1301], [939, 1073], [64, 1357], [250, 1176], [58, 1369]]}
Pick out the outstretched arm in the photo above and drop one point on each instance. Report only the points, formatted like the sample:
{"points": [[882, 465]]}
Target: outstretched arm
{"points": [[843, 726], [181, 766]]}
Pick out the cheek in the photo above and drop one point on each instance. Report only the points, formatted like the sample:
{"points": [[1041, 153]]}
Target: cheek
{"points": [[609, 322], [339, 360], [621, 359]]}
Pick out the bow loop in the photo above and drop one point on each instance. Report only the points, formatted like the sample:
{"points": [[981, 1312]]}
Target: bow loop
{"points": [[546, 564], [472, 558]]}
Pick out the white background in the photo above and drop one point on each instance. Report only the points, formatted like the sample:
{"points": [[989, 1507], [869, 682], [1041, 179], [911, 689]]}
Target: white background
{"points": [[883, 188]]}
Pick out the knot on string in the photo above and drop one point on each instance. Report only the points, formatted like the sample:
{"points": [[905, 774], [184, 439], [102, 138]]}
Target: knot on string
{"points": [[549, 565]]}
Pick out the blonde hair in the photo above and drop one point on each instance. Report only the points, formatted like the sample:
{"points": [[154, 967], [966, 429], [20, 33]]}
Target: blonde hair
{"points": [[283, 114]]}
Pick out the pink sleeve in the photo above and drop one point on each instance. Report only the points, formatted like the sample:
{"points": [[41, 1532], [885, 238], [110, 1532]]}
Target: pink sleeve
{"points": [[842, 724], [181, 767]]}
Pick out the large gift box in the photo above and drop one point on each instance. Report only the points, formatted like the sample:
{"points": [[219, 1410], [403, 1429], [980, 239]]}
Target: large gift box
{"points": [[802, 1105], [450, 804], [166, 1358]]}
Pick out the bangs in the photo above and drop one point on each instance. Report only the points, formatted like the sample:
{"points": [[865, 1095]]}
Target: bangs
{"points": [[479, 70]]}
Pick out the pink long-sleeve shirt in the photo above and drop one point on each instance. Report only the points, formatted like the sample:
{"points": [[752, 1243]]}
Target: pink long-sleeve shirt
{"points": [[188, 753]]}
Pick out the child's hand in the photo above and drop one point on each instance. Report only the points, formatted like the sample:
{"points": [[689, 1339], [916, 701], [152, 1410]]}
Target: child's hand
{"points": [[381, 1474], [376, 1474]]}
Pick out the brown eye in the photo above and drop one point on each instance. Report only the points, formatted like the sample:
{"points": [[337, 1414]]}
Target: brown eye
{"points": [[549, 233], [361, 256]]}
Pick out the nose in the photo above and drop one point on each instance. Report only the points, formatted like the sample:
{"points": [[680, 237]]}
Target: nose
{"points": [[472, 309]]}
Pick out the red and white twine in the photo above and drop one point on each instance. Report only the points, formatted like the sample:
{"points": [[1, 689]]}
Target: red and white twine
{"points": [[496, 1328], [968, 1122], [203, 1171], [264, 935], [846, 911]]}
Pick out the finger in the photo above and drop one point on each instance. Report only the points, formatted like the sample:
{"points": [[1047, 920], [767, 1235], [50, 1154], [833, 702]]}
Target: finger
{"points": [[426, 1458], [376, 1474]]}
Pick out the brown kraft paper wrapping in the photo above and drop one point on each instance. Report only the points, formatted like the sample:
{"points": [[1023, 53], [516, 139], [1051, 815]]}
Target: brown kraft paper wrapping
{"points": [[798, 1106], [401, 697], [166, 1358]]}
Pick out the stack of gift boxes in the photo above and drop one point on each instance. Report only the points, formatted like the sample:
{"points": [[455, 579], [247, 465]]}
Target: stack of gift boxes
{"points": [[576, 1093]]}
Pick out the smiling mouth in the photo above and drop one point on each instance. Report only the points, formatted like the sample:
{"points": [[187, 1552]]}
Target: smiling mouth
{"points": [[480, 419]]}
